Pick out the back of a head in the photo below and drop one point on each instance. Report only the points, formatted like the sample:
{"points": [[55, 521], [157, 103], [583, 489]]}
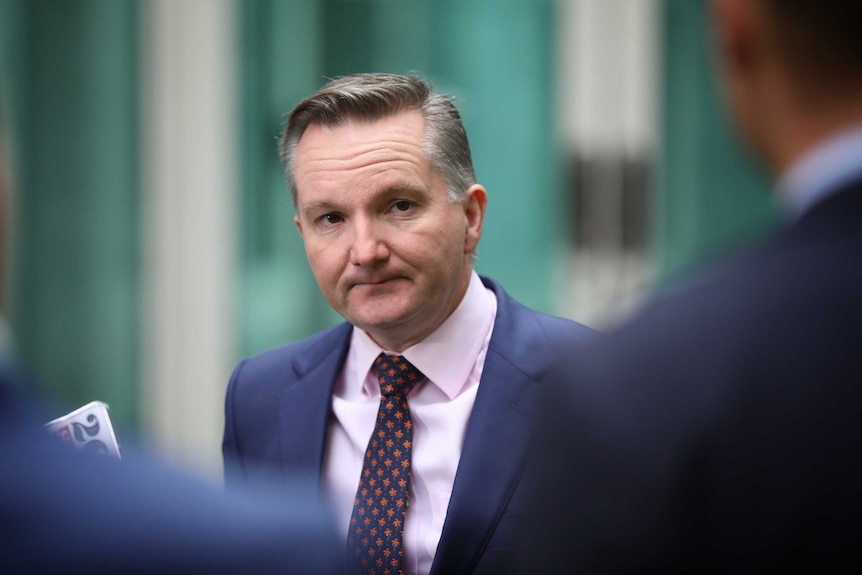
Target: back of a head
{"points": [[372, 96], [820, 39]]}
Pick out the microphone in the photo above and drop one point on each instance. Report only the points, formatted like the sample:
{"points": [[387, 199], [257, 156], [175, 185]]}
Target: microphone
{"points": [[87, 428]]}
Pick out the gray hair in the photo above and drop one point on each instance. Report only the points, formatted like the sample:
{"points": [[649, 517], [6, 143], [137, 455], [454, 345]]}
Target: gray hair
{"points": [[370, 97], [821, 39]]}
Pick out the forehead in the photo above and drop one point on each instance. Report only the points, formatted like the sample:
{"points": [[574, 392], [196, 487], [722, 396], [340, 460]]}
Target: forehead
{"points": [[357, 152]]}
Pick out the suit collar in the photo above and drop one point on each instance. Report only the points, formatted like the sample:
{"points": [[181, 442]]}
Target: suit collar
{"points": [[495, 447], [838, 210], [822, 171], [448, 355], [519, 338], [304, 406]]}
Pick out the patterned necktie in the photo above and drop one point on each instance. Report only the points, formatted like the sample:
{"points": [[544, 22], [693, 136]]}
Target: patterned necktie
{"points": [[377, 522]]}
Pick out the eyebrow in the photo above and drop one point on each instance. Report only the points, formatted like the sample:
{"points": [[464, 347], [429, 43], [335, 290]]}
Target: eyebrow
{"points": [[316, 207], [399, 187], [325, 206]]}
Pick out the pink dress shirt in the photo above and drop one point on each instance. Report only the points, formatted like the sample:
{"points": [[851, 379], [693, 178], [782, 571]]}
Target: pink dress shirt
{"points": [[452, 358]]}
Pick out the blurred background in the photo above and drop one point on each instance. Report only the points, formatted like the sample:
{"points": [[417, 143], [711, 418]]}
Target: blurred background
{"points": [[149, 233]]}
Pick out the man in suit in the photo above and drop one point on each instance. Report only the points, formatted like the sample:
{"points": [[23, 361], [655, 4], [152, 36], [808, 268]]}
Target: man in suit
{"points": [[390, 213], [721, 430], [68, 512]]}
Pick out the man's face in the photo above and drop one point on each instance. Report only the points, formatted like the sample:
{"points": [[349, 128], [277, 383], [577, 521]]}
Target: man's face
{"points": [[387, 247]]}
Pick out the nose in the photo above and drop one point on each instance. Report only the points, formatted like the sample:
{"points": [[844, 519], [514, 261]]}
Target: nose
{"points": [[369, 246]]}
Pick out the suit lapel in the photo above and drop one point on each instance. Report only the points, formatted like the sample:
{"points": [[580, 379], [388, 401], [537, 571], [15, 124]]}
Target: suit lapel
{"points": [[490, 466], [495, 448], [305, 405]]}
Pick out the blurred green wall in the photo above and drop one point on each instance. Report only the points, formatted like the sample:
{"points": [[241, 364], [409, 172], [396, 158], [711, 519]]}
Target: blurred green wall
{"points": [[69, 71], [69, 84]]}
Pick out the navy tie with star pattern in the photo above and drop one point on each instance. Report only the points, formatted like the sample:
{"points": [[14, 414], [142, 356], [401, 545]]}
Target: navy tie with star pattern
{"points": [[374, 539]]}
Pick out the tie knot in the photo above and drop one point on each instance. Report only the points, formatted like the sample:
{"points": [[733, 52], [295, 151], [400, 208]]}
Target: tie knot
{"points": [[396, 375]]}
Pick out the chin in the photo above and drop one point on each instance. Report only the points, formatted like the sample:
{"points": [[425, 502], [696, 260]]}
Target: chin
{"points": [[381, 324], [385, 323]]}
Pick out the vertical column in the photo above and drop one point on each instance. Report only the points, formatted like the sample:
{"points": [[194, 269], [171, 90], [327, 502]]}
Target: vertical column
{"points": [[609, 115], [189, 178]]}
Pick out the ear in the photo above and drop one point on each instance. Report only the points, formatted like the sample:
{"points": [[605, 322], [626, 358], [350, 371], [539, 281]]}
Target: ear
{"points": [[298, 223], [475, 201], [736, 34]]}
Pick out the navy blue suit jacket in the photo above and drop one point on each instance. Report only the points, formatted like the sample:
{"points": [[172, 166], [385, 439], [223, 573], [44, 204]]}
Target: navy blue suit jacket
{"points": [[64, 511], [721, 430], [278, 409]]}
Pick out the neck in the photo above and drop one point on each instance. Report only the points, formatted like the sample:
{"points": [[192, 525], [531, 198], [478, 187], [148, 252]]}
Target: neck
{"points": [[807, 122]]}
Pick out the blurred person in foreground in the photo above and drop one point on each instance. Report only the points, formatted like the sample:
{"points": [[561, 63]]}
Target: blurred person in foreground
{"points": [[424, 473], [721, 429], [66, 511]]}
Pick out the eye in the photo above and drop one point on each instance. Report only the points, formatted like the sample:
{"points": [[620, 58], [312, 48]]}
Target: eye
{"points": [[401, 206], [330, 219]]}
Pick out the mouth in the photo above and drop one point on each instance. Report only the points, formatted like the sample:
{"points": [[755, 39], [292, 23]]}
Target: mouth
{"points": [[372, 283]]}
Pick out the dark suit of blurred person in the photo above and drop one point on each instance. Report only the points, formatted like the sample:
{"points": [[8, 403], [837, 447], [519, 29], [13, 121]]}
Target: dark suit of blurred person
{"points": [[721, 429], [63, 511]]}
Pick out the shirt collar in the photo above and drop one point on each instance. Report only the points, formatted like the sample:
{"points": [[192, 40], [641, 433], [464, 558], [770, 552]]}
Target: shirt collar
{"points": [[447, 356], [822, 171]]}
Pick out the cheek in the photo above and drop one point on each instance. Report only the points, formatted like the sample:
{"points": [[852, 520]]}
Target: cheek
{"points": [[324, 264], [448, 231], [440, 255], [454, 238]]}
